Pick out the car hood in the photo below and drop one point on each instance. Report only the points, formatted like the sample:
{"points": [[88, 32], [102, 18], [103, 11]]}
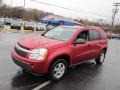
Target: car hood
{"points": [[38, 41]]}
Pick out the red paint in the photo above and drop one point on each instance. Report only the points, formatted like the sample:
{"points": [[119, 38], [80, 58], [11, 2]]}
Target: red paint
{"points": [[77, 53]]}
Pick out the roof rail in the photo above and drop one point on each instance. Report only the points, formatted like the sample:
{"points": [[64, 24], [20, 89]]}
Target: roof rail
{"points": [[93, 26]]}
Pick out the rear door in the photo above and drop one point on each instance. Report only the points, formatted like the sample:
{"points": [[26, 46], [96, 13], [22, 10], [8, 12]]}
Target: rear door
{"points": [[94, 43]]}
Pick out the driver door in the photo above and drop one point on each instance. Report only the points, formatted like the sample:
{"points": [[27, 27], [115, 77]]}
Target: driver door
{"points": [[81, 52]]}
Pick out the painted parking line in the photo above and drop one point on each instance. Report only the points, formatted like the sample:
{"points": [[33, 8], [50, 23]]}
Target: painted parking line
{"points": [[26, 30], [7, 29], [12, 30], [42, 85]]}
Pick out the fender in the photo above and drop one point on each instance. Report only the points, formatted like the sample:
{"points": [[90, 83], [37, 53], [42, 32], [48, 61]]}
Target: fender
{"points": [[56, 54]]}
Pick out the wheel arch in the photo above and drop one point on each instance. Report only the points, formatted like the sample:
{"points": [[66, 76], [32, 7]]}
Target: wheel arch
{"points": [[64, 56], [105, 48]]}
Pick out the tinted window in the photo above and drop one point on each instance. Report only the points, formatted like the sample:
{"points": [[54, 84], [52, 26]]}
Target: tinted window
{"points": [[93, 35], [83, 35]]}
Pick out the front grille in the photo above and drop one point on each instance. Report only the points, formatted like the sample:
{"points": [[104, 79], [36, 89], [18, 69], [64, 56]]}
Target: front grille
{"points": [[20, 52]]}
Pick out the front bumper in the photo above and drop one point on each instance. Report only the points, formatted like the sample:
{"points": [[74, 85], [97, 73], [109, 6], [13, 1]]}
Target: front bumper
{"points": [[34, 66], [22, 64], [15, 27]]}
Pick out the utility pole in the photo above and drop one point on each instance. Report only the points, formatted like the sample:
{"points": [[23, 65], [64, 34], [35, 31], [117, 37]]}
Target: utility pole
{"points": [[24, 9], [115, 11], [23, 15], [11, 2], [24, 4]]}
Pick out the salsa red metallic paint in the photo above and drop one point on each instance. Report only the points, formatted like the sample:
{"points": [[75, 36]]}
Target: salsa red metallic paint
{"points": [[76, 52]]}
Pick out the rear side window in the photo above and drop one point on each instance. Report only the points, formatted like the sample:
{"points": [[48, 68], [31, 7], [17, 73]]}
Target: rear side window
{"points": [[93, 35], [103, 34]]}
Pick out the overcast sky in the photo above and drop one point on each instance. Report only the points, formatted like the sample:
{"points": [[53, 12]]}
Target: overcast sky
{"points": [[86, 8]]}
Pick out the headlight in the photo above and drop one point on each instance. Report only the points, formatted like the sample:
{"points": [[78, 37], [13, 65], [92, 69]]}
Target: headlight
{"points": [[38, 54]]}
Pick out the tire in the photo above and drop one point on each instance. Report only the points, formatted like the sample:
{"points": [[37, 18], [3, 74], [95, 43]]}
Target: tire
{"points": [[61, 22], [101, 58], [58, 69], [18, 28], [25, 72], [12, 27]]}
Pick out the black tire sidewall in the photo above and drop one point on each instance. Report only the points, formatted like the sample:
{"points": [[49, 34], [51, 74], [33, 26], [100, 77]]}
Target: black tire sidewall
{"points": [[25, 72], [98, 60]]}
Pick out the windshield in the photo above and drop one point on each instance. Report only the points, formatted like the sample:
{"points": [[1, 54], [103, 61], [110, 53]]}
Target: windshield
{"points": [[29, 23], [60, 33], [15, 22]]}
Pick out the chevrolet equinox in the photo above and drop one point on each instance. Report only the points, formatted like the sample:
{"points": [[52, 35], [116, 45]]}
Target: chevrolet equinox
{"points": [[56, 50]]}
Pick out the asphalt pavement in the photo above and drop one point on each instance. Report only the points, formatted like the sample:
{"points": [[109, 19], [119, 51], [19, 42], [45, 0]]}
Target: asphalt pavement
{"points": [[87, 76]]}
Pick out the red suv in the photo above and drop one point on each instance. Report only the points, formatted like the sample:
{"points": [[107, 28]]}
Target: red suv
{"points": [[55, 51]]}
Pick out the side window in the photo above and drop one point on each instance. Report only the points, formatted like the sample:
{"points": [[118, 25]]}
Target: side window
{"points": [[83, 35], [93, 35]]}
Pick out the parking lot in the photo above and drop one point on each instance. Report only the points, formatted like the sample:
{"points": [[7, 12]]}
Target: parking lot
{"points": [[87, 76]]}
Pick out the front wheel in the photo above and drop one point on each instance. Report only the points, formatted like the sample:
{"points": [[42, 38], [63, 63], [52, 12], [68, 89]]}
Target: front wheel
{"points": [[101, 58], [58, 69], [25, 72]]}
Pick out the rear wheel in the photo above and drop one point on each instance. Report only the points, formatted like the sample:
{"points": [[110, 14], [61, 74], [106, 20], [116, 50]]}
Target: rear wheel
{"points": [[19, 28], [101, 58], [58, 69]]}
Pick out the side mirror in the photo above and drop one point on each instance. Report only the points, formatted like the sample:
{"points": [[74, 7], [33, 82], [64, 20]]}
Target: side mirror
{"points": [[80, 41]]}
